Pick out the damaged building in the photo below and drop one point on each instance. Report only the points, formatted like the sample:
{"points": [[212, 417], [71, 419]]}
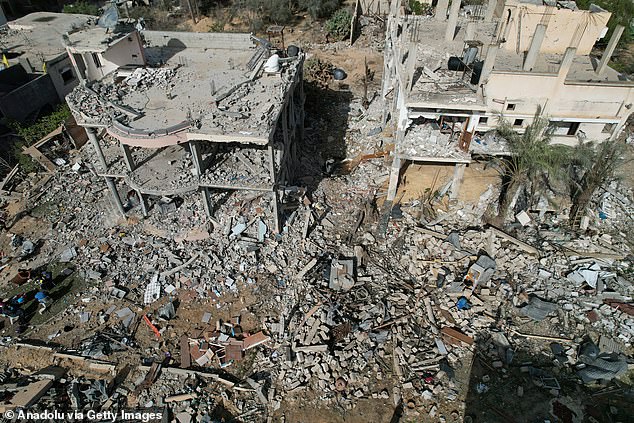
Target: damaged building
{"points": [[170, 114], [36, 71], [449, 79]]}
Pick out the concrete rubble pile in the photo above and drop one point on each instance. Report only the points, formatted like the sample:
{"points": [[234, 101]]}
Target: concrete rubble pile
{"points": [[349, 316], [244, 166]]}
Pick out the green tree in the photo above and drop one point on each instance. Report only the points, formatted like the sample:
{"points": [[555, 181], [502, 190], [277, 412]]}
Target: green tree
{"points": [[82, 8], [33, 132], [592, 165], [532, 160]]}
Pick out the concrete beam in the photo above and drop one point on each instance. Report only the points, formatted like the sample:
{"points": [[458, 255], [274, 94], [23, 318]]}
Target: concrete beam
{"points": [[92, 136], [453, 20], [536, 45], [440, 14], [115, 195], [607, 54]]}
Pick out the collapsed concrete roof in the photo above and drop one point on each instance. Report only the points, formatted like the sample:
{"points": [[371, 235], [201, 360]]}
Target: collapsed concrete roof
{"points": [[195, 86]]}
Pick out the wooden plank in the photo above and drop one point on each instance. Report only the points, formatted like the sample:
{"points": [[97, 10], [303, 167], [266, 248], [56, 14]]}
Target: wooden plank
{"points": [[453, 334], [186, 359], [9, 176]]}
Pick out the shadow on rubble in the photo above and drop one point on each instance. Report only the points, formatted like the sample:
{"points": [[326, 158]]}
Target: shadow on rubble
{"points": [[323, 149], [517, 385], [158, 56]]}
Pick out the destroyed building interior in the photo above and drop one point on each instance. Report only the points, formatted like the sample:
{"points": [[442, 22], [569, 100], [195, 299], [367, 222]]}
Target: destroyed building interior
{"points": [[281, 226]]}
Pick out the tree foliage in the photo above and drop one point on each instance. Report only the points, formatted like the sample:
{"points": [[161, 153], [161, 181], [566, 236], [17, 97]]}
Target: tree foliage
{"points": [[81, 7], [591, 166], [33, 132], [419, 8], [533, 159]]}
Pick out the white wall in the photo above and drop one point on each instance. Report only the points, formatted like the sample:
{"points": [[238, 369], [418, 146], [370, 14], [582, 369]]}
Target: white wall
{"points": [[127, 51]]}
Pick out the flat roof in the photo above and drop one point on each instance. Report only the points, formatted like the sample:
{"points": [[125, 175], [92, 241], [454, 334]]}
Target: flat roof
{"points": [[38, 35], [192, 77]]}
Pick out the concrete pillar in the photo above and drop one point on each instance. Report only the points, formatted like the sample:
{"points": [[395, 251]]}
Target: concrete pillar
{"points": [[411, 65], [204, 191], [458, 176], [277, 224], [196, 157], [607, 54], [491, 5], [115, 194], [127, 156], [395, 172], [453, 20], [566, 63], [489, 62], [143, 201], [92, 136], [440, 13], [470, 31], [536, 45]]}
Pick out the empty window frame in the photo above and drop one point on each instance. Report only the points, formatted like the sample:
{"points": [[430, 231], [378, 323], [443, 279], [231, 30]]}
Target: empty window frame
{"points": [[67, 75], [96, 60]]}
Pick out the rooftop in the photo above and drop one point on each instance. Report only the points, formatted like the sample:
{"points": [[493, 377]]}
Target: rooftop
{"points": [[199, 81], [434, 81], [39, 35]]}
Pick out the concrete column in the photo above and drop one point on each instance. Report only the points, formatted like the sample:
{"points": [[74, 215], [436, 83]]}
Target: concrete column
{"points": [[277, 224], [127, 156], [92, 136], [458, 176], [411, 65], [204, 191], [470, 31], [143, 201], [536, 45], [196, 157], [395, 172], [440, 14], [607, 54], [489, 62], [491, 5], [453, 20], [115, 194], [566, 63]]}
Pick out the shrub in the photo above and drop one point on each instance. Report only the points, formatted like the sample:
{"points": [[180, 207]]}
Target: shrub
{"points": [[82, 8], [319, 8], [339, 24], [420, 9]]}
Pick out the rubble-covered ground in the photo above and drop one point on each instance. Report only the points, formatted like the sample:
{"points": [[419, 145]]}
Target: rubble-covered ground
{"points": [[442, 319]]}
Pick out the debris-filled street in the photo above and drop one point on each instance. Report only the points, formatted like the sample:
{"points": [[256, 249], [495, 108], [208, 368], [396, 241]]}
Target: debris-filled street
{"points": [[283, 252]]}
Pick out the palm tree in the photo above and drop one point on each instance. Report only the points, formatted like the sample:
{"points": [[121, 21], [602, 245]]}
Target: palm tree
{"points": [[532, 159], [592, 166]]}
